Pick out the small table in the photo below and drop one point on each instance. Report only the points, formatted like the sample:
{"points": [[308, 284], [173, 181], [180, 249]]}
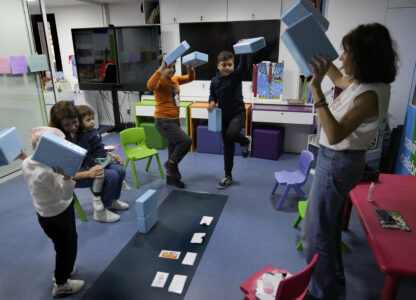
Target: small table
{"points": [[394, 249], [199, 110]]}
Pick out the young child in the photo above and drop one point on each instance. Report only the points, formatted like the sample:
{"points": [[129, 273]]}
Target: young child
{"points": [[166, 88], [52, 198], [226, 93], [88, 138]]}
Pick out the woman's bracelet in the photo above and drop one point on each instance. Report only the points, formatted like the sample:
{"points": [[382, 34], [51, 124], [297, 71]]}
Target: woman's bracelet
{"points": [[320, 103]]}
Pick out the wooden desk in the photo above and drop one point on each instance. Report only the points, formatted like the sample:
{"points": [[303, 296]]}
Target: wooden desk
{"points": [[394, 249], [199, 110]]}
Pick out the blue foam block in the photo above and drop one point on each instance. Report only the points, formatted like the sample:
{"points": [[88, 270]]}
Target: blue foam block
{"points": [[10, 145], [145, 224], [195, 59], [249, 45], [176, 53], [302, 9], [54, 151], [305, 40], [214, 120], [146, 203]]}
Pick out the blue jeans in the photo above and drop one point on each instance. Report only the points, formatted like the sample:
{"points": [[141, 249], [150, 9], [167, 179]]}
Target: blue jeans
{"points": [[114, 175], [337, 173]]}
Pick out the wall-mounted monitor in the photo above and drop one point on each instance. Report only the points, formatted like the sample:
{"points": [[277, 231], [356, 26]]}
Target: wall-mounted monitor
{"points": [[214, 37]]}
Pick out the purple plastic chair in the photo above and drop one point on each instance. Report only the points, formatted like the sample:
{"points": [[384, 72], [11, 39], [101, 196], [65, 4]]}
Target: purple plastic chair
{"points": [[294, 179]]}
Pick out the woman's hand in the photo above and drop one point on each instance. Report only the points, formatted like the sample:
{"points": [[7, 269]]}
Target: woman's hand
{"points": [[319, 66], [117, 158], [22, 155], [211, 106], [95, 172]]}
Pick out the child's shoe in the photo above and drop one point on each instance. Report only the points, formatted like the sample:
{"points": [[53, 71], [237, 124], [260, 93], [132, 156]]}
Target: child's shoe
{"points": [[225, 181], [74, 271], [174, 181], [125, 186], [106, 216], [68, 288], [119, 205], [246, 149], [97, 203], [172, 169]]}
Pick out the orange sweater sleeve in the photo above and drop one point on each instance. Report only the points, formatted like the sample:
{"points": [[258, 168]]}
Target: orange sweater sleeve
{"points": [[153, 82], [186, 78]]}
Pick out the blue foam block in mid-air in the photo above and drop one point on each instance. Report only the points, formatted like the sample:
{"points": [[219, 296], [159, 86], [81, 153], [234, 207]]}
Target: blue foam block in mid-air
{"points": [[54, 151], [249, 45], [176, 53], [10, 145], [195, 59], [302, 9]]}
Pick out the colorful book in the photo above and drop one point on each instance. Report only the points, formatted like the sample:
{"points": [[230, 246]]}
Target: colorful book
{"points": [[10, 145], [305, 40], [176, 53], [302, 9], [249, 45], [195, 59]]}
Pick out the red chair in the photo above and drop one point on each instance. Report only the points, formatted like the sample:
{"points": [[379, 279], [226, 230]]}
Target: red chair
{"points": [[293, 287]]}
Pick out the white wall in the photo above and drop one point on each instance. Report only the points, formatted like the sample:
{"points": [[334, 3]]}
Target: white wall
{"points": [[126, 14]]}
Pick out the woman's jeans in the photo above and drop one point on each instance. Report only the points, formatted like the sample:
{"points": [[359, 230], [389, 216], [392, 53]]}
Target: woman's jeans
{"points": [[337, 173]]}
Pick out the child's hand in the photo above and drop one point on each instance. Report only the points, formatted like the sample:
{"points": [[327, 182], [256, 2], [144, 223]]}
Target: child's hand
{"points": [[22, 155], [95, 172], [240, 41], [211, 106], [163, 65], [190, 68], [117, 158]]}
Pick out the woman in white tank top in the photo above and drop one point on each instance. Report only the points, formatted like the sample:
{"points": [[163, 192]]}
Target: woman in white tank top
{"points": [[349, 124]]}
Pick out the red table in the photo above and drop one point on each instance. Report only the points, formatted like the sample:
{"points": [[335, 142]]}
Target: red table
{"points": [[395, 250]]}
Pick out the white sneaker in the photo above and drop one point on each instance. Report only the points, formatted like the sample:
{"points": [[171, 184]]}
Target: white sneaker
{"points": [[125, 186], [97, 203], [119, 205], [106, 216], [74, 271], [68, 288]]}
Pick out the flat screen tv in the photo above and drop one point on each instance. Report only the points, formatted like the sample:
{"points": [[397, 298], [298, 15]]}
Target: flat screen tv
{"points": [[116, 58], [214, 37]]}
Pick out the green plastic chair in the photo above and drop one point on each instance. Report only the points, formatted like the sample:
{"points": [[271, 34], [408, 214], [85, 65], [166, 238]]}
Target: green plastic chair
{"points": [[79, 209], [302, 210], [136, 136]]}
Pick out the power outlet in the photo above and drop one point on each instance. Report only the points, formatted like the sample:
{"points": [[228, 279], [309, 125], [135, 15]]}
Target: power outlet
{"points": [[128, 111]]}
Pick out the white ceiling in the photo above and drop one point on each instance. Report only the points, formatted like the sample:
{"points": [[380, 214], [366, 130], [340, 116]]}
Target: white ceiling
{"points": [[54, 3]]}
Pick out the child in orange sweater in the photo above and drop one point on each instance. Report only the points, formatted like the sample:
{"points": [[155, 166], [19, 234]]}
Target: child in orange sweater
{"points": [[166, 88]]}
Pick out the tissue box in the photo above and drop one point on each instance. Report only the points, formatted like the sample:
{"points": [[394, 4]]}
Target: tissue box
{"points": [[195, 59], [305, 40], [250, 45], [146, 203], [54, 151], [10, 145], [302, 9], [214, 120], [145, 224], [176, 53]]}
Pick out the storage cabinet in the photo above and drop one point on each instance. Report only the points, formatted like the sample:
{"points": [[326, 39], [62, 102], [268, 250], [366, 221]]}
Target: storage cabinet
{"points": [[244, 10]]}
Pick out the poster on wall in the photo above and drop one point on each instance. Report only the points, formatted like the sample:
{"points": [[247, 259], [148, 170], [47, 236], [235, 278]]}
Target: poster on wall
{"points": [[406, 160], [269, 80]]}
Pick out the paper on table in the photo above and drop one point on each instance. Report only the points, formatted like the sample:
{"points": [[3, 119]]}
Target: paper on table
{"points": [[206, 220], [4, 65], [169, 254], [160, 279], [177, 284], [198, 238], [189, 258]]}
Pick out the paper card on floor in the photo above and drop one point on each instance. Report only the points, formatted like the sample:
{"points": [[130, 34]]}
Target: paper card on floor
{"points": [[189, 258], [169, 254], [206, 221], [160, 279], [177, 284], [198, 238]]}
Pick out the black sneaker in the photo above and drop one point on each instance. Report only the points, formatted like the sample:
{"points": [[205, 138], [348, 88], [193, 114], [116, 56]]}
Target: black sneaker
{"points": [[172, 169], [225, 181], [174, 181], [246, 149], [340, 280]]}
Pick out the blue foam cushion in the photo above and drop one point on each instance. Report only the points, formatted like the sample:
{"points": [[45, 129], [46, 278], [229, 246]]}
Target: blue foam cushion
{"points": [[195, 59], [54, 151], [146, 203], [214, 120], [302, 9], [305, 40], [249, 45], [145, 224], [10, 145], [176, 53]]}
